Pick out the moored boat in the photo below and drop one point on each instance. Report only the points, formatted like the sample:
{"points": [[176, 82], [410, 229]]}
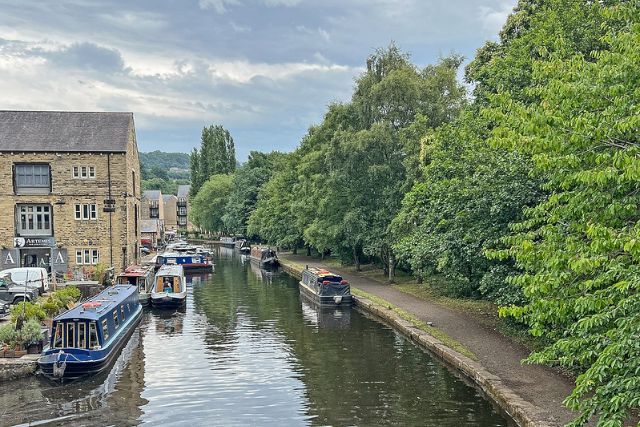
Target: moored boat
{"points": [[265, 257], [324, 287], [170, 287], [87, 339], [228, 241], [141, 277], [243, 246], [191, 262]]}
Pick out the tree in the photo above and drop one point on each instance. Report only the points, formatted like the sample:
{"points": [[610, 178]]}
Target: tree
{"points": [[579, 248], [216, 156], [207, 207], [247, 182]]}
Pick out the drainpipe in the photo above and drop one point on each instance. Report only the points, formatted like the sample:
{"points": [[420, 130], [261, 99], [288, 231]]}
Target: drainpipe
{"points": [[110, 213]]}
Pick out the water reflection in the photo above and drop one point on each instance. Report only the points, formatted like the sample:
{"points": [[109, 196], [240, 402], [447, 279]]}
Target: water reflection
{"points": [[338, 317], [247, 350]]}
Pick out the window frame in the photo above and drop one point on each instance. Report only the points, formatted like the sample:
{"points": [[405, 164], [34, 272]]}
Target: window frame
{"points": [[21, 175], [32, 219], [83, 172], [87, 256], [85, 212]]}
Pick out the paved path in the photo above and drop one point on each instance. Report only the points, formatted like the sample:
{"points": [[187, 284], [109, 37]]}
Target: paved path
{"points": [[500, 355]]}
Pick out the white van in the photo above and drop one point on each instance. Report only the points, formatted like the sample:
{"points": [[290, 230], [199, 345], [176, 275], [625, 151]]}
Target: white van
{"points": [[34, 277]]}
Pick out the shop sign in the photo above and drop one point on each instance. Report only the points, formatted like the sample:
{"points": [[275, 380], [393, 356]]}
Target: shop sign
{"points": [[9, 258], [59, 260], [34, 242]]}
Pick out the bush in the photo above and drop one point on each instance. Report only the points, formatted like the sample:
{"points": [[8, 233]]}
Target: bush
{"points": [[8, 335], [52, 306], [31, 311], [31, 332], [67, 295]]}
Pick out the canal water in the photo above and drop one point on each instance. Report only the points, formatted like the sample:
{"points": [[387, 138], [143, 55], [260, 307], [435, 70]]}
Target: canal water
{"points": [[247, 351]]}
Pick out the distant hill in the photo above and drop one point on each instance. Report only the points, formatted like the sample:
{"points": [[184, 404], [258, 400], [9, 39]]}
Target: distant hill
{"points": [[164, 171], [164, 160]]}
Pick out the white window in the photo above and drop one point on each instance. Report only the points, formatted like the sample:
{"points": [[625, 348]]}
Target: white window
{"points": [[34, 220], [84, 172], [86, 211], [86, 256], [32, 178]]}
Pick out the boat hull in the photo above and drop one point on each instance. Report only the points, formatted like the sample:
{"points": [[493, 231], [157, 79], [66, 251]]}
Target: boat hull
{"points": [[324, 300], [169, 302], [267, 264], [145, 299], [76, 369]]}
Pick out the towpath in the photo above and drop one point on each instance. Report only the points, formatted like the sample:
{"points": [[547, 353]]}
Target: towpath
{"points": [[500, 355]]}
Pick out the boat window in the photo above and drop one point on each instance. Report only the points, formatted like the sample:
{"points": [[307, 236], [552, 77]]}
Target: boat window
{"points": [[160, 285], [71, 329], [57, 336], [93, 336], [122, 312], [82, 335], [115, 318], [105, 330]]}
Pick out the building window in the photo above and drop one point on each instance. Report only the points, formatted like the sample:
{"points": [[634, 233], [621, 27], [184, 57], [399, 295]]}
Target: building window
{"points": [[86, 211], [182, 210], [86, 256], [32, 178], [34, 220], [154, 212], [182, 221], [84, 172]]}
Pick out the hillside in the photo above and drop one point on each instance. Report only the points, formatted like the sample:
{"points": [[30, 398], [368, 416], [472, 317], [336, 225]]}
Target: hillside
{"points": [[164, 171], [164, 160]]}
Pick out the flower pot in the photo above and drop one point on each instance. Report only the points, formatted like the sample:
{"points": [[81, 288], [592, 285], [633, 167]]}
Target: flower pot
{"points": [[20, 353], [34, 348]]}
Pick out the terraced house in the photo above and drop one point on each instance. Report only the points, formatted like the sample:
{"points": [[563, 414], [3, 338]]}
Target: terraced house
{"points": [[70, 194]]}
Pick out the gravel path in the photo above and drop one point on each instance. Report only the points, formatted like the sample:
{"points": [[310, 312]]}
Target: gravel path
{"points": [[500, 355]]}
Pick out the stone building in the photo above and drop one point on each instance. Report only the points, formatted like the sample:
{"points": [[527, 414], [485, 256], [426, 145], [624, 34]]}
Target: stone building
{"points": [[152, 210], [170, 203], [183, 207], [70, 190]]}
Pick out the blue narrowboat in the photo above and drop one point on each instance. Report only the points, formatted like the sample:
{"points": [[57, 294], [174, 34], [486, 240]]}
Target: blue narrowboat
{"points": [[88, 338], [191, 262]]}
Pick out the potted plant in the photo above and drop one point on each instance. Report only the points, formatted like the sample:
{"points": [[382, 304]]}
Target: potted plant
{"points": [[31, 335], [9, 339]]}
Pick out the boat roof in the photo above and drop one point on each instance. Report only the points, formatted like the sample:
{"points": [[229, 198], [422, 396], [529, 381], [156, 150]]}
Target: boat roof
{"points": [[321, 272], [175, 254], [108, 299], [136, 271], [170, 270]]}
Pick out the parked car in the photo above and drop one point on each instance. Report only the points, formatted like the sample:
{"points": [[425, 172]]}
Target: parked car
{"points": [[33, 277], [13, 293]]}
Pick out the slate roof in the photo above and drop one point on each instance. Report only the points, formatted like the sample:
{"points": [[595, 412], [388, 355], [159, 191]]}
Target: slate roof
{"points": [[167, 197], [66, 131], [149, 226], [151, 195], [183, 190]]}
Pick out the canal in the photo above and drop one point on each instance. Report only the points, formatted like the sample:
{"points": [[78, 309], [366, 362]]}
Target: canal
{"points": [[247, 351]]}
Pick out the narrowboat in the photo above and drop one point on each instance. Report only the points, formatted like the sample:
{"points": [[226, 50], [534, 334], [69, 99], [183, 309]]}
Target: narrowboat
{"points": [[229, 242], [265, 257], [170, 287], [87, 339], [243, 246], [324, 287], [141, 277], [191, 262]]}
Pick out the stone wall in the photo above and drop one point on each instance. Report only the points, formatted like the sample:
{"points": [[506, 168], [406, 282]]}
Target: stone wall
{"points": [[113, 234]]}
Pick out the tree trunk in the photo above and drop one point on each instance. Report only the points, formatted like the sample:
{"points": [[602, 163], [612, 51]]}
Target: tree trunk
{"points": [[356, 258], [392, 267], [419, 279], [308, 250], [295, 250]]}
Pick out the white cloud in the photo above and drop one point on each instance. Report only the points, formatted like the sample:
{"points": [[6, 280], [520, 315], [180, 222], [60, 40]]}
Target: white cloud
{"points": [[493, 18], [219, 6]]}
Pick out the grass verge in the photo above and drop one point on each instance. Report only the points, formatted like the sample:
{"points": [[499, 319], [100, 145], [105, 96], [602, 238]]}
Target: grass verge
{"points": [[436, 333]]}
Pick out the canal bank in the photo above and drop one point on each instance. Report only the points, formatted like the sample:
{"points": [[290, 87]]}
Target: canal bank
{"points": [[531, 394]]}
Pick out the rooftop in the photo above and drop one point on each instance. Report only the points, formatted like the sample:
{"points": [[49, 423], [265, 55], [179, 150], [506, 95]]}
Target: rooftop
{"points": [[106, 299], [149, 226], [66, 131], [183, 190], [151, 194]]}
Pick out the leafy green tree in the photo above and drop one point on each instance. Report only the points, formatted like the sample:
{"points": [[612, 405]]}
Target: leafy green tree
{"points": [[207, 207], [216, 156], [579, 248], [247, 182], [463, 204], [273, 218]]}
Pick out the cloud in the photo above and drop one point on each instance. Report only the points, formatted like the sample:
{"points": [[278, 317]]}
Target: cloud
{"points": [[219, 6], [89, 56], [493, 18]]}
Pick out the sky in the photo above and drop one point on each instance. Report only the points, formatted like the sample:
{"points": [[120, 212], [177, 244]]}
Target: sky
{"points": [[264, 69]]}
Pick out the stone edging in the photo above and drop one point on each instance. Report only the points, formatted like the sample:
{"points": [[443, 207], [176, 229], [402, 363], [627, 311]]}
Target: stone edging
{"points": [[11, 369], [522, 412]]}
